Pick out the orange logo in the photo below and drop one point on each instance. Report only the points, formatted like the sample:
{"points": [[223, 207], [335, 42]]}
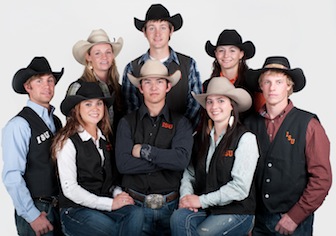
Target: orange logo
{"points": [[167, 125], [228, 153], [290, 139]]}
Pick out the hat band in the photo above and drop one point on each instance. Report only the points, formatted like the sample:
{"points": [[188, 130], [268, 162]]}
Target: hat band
{"points": [[277, 66]]}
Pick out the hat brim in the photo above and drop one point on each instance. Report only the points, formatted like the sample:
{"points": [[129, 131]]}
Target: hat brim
{"points": [[22, 75], [176, 20], [299, 79], [222, 86], [248, 48], [71, 101], [173, 79], [80, 49]]}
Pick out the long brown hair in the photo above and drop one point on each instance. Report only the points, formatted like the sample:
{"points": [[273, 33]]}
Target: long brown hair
{"points": [[203, 137], [72, 126]]}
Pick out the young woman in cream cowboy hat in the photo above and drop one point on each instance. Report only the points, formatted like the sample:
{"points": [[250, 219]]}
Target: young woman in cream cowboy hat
{"points": [[217, 189]]}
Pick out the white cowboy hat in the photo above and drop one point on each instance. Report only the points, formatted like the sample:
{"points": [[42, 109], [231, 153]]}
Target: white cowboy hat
{"points": [[155, 69], [222, 86], [97, 36]]}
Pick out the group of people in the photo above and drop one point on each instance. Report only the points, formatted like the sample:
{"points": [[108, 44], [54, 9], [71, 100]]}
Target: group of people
{"points": [[163, 153]]}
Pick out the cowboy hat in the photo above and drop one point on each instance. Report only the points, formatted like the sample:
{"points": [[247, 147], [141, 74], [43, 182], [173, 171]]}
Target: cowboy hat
{"points": [[159, 12], [38, 66], [87, 90], [231, 37], [222, 86], [96, 37], [278, 63], [155, 68]]}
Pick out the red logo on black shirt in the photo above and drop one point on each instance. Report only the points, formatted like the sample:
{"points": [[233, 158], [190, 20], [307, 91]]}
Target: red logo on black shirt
{"points": [[167, 125]]}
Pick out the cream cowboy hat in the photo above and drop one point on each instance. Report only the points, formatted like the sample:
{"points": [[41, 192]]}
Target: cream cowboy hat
{"points": [[155, 69], [222, 86], [97, 36]]}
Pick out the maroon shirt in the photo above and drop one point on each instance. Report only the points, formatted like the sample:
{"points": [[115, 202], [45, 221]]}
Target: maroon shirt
{"points": [[318, 164]]}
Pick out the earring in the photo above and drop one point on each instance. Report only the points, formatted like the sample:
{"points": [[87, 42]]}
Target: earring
{"points": [[90, 66], [231, 120]]}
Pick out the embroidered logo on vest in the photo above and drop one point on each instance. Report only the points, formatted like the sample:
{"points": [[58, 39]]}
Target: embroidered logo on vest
{"points": [[289, 137], [167, 125], [43, 137], [228, 153]]}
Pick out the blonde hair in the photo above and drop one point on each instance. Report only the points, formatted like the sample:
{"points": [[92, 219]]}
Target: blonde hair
{"points": [[289, 80]]}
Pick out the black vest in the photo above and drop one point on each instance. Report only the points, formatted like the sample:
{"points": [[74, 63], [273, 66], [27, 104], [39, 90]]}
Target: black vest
{"points": [[161, 181], [219, 174], [282, 172], [176, 98], [91, 174], [40, 174]]}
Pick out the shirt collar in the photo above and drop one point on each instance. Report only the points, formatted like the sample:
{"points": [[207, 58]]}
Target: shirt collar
{"points": [[172, 57], [40, 110], [143, 110], [263, 111], [85, 136]]}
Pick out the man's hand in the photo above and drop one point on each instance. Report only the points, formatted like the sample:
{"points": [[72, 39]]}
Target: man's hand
{"points": [[286, 225], [136, 150], [41, 225]]}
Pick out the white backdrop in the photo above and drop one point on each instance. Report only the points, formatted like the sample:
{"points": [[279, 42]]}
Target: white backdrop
{"points": [[303, 31]]}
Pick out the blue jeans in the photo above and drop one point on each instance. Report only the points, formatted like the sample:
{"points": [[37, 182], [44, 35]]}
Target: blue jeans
{"points": [[127, 220], [157, 221], [186, 222], [265, 225], [24, 228]]}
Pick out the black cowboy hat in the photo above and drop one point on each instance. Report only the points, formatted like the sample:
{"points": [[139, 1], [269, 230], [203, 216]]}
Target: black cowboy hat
{"points": [[38, 66], [231, 37], [87, 90], [159, 12], [279, 63]]}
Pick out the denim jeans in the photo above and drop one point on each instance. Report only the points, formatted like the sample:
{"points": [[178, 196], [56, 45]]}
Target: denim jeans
{"points": [[265, 225], [157, 221], [127, 220], [186, 222], [24, 228]]}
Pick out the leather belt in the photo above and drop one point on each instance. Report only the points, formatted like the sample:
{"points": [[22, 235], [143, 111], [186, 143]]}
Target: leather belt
{"points": [[153, 201], [48, 200]]}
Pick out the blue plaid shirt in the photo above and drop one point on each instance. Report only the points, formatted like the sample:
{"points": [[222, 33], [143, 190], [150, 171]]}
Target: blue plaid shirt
{"points": [[195, 84]]}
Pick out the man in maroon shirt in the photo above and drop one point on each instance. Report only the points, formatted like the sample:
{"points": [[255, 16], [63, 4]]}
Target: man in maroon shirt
{"points": [[294, 173]]}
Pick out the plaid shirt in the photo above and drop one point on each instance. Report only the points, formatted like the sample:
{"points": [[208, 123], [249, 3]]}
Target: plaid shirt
{"points": [[195, 84]]}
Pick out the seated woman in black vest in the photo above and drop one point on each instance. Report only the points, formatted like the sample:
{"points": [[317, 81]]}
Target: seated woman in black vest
{"points": [[217, 189], [90, 202]]}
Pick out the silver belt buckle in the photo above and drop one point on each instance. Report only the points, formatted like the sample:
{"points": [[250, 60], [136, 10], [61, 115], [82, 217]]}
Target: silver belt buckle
{"points": [[154, 201]]}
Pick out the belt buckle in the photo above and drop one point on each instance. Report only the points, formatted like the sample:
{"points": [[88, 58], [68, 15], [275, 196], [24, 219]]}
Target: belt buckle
{"points": [[54, 202], [154, 201]]}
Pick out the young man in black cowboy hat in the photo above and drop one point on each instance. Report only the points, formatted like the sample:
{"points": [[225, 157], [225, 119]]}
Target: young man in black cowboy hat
{"points": [[153, 148], [158, 28], [29, 172], [294, 173]]}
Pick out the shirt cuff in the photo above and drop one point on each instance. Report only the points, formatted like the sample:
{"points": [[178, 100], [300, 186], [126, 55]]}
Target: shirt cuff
{"points": [[145, 152]]}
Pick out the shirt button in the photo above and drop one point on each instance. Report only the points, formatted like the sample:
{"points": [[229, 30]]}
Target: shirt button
{"points": [[150, 134], [267, 195], [269, 165], [268, 180], [273, 121], [154, 125]]}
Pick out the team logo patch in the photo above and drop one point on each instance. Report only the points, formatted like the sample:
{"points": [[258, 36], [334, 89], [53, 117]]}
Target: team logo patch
{"points": [[290, 138], [167, 125]]}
